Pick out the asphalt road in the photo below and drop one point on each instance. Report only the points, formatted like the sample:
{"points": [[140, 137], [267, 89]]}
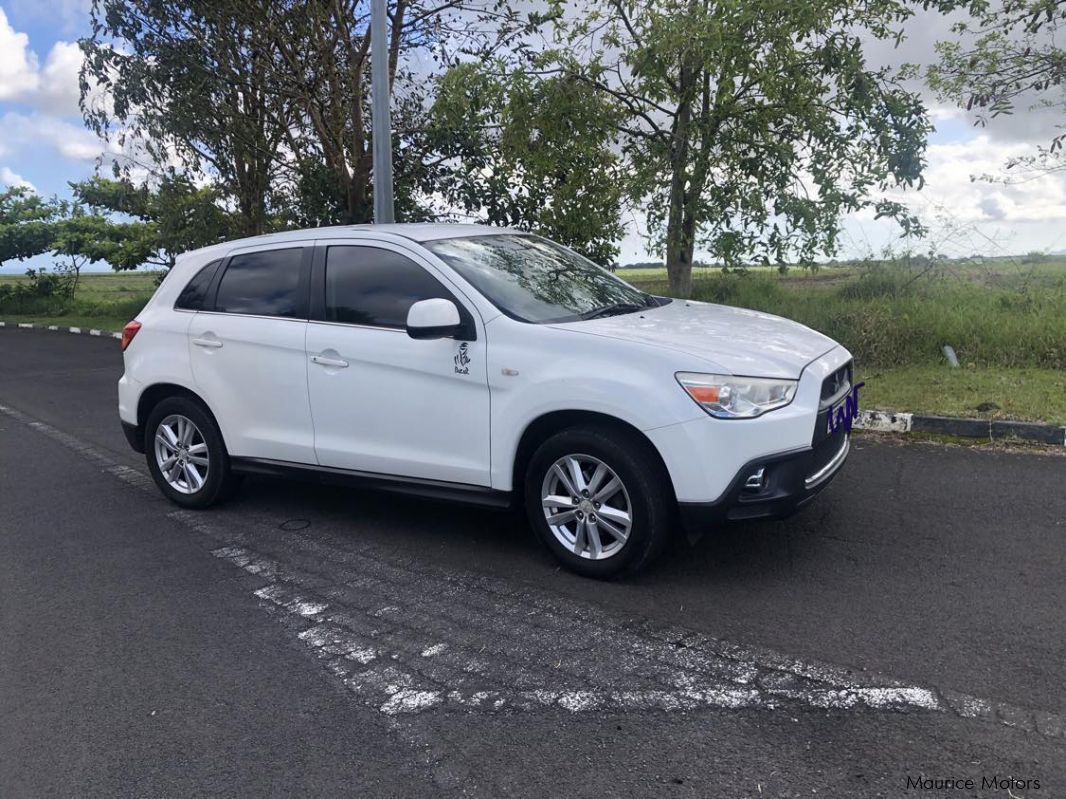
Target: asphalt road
{"points": [[314, 641]]}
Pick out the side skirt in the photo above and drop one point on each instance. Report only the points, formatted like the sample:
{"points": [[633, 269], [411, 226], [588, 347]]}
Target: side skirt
{"points": [[412, 486]]}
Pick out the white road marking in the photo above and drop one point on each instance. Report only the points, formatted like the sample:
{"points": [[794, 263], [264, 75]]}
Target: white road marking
{"points": [[333, 640], [447, 646], [290, 600], [90, 331]]}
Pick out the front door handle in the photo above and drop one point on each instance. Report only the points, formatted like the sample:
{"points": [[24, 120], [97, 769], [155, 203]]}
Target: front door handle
{"points": [[322, 360], [210, 343]]}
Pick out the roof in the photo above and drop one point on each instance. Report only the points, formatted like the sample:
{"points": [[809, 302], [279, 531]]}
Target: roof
{"points": [[431, 231], [413, 231]]}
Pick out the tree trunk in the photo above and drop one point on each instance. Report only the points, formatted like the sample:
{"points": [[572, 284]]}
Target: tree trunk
{"points": [[251, 203], [678, 245], [358, 207]]}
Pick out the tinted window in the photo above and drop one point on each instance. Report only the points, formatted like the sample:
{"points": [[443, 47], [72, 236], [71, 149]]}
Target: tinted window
{"points": [[368, 286], [195, 292], [262, 283]]}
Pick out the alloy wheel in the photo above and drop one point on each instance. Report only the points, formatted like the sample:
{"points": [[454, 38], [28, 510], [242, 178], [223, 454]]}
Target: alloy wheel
{"points": [[181, 454], [586, 506]]}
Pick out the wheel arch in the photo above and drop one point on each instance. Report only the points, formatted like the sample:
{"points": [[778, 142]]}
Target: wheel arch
{"points": [[157, 392], [548, 424]]}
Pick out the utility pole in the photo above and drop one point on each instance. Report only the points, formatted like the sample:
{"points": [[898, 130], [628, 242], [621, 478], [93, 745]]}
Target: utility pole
{"points": [[379, 63]]}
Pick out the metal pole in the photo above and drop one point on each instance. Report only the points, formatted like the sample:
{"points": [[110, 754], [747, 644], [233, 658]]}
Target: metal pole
{"points": [[379, 55]]}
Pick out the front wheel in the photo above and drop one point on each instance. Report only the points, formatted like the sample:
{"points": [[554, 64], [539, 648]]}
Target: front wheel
{"points": [[598, 500], [186, 455]]}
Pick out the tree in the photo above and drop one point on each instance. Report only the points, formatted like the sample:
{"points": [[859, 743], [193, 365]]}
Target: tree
{"points": [[749, 126], [80, 238], [169, 218], [187, 82], [26, 224], [530, 152], [322, 68], [1006, 54], [270, 98]]}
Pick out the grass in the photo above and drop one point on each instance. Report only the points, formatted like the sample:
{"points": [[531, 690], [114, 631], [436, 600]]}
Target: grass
{"points": [[1035, 395], [107, 286], [1006, 320], [894, 316], [104, 300]]}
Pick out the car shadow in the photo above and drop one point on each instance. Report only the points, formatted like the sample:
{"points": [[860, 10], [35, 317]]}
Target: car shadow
{"points": [[501, 542]]}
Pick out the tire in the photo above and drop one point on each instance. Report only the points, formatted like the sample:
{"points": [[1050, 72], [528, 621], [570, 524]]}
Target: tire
{"points": [[200, 475], [601, 453]]}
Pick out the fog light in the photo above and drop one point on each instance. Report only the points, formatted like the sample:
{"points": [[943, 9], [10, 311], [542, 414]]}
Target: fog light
{"points": [[756, 480]]}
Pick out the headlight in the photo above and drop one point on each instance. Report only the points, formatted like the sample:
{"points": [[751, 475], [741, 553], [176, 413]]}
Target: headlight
{"points": [[730, 397]]}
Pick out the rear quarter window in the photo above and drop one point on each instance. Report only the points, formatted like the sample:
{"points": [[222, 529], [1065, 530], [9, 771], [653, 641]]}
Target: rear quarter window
{"points": [[194, 294]]}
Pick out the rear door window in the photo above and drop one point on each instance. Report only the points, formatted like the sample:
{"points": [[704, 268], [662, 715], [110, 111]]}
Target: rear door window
{"points": [[268, 283]]}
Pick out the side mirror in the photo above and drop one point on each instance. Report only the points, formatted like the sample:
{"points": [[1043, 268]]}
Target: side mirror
{"points": [[433, 318]]}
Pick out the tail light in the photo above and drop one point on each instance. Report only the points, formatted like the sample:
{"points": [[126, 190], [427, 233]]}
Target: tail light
{"points": [[128, 332]]}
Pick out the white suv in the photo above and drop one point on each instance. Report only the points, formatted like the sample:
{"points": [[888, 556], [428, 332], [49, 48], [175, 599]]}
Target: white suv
{"points": [[484, 365]]}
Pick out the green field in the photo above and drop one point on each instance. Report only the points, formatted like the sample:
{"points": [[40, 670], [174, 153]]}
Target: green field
{"points": [[1006, 320], [106, 286], [105, 300]]}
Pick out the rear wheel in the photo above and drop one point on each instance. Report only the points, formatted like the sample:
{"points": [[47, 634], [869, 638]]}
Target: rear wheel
{"points": [[597, 499], [186, 455]]}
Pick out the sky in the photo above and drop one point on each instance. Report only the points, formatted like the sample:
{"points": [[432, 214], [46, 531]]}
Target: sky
{"points": [[43, 144]]}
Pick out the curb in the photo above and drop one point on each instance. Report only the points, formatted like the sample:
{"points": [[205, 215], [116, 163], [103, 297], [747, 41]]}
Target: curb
{"points": [[92, 331], [992, 429], [875, 421]]}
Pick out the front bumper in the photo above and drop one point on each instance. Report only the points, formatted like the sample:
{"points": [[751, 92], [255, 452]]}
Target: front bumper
{"points": [[789, 481]]}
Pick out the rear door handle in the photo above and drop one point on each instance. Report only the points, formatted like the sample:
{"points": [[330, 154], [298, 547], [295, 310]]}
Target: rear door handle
{"points": [[322, 360], [210, 343]]}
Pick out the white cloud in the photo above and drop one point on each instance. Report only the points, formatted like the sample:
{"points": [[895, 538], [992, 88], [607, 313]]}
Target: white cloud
{"points": [[19, 132], [58, 90], [12, 179], [18, 64], [949, 183], [53, 88]]}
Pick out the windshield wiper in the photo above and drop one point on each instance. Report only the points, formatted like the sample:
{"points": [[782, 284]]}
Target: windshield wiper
{"points": [[613, 310]]}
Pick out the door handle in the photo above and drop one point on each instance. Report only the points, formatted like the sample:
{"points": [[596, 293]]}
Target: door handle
{"points": [[336, 363], [210, 343]]}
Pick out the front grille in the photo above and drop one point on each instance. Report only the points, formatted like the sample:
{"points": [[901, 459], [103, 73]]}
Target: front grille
{"points": [[836, 382]]}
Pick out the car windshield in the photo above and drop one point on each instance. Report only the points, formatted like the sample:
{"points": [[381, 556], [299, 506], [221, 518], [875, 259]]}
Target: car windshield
{"points": [[535, 280]]}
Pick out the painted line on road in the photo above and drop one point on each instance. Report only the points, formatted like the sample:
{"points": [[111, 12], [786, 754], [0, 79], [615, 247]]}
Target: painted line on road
{"points": [[90, 331], [405, 638]]}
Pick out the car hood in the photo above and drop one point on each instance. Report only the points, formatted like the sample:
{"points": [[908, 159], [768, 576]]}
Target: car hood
{"points": [[740, 341]]}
